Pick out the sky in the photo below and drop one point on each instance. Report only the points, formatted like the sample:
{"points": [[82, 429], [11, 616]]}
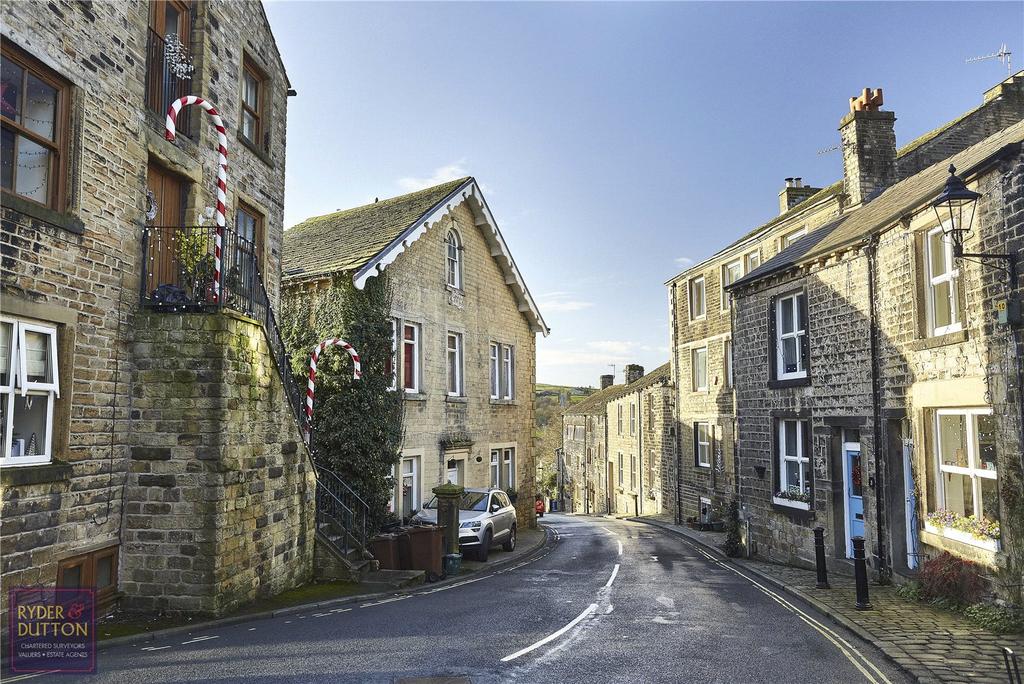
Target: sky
{"points": [[616, 143]]}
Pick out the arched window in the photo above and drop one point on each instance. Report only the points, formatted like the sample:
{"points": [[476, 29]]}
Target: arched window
{"points": [[453, 259]]}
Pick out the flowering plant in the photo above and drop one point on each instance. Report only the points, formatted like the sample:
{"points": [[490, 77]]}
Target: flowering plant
{"points": [[981, 528], [804, 497]]}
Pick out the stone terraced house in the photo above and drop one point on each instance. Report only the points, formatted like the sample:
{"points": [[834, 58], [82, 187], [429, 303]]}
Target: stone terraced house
{"points": [[465, 329], [618, 446], [819, 370], [148, 448]]}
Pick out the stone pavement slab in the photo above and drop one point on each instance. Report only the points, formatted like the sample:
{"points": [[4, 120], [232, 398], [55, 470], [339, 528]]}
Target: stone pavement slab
{"points": [[933, 645]]}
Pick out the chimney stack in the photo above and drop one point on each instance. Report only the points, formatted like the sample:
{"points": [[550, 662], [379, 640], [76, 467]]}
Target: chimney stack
{"points": [[794, 193], [607, 381], [633, 373], [868, 137]]}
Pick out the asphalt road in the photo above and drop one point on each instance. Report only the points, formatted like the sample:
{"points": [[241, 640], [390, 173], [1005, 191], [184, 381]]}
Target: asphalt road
{"points": [[606, 601]]}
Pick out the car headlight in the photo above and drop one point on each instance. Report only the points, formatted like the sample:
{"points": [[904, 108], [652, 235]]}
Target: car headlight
{"points": [[471, 525]]}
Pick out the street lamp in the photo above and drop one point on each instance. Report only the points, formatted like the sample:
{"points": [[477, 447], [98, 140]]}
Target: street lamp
{"points": [[954, 208]]}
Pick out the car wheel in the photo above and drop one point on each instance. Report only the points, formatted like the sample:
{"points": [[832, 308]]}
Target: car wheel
{"points": [[485, 547], [510, 543]]}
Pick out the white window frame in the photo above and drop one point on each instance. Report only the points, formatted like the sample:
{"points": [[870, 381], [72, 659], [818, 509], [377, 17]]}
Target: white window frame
{"points": [[508, 372], [632, 472], [726, 299], [621, 464], [495, 377], [727, 351], [691, 291], [632, 418], [791, 237], [415, 460], [951, 276], [698, 443], [508, 463], [800, 458], [18, 388], [495, 468], [696, 352], [619, 416], [453, 264], [752, 260], [454, 353], [415, 343], [798, 334], [972, 470]]}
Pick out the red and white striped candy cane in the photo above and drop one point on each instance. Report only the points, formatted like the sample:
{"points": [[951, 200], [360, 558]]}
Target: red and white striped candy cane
{"points": [[357, 373], [222, 172]]}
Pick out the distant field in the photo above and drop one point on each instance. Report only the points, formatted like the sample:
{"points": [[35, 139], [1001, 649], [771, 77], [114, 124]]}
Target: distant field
{"points": [[547, 399]]}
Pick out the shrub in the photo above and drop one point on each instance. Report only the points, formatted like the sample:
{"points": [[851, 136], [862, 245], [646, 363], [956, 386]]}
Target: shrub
{"points": [[950, 580], [911, 591], [733, 546], [996, 618]]}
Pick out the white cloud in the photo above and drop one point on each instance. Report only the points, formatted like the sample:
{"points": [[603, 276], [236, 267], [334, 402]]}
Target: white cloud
{"points": [[613, 347], [683, 262], [561, 301], [442, 174]]}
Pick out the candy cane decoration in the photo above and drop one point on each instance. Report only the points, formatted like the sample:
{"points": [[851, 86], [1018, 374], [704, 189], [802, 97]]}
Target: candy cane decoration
{"points": [[222, 172], [357, 373]]}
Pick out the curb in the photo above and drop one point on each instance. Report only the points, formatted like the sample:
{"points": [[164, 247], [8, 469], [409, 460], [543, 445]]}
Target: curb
{"points": [[916, 672], [157, 635]]}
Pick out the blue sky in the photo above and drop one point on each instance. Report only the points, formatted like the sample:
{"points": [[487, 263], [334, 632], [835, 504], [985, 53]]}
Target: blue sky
{"points": [[615, 142]]}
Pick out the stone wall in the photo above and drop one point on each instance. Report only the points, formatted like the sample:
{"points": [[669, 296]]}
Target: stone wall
{"points": [[77, 266], [219, 499]]}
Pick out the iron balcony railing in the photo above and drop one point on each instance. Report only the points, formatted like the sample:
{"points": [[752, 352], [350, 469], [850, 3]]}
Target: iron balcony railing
{"points": [[163, 86], [178, 276]]}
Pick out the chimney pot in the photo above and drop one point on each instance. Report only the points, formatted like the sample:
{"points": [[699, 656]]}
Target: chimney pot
{"points": [[868, 139]]}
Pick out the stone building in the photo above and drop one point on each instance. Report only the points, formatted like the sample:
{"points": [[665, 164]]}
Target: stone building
{"points": [[908, 402], [617, 444], [464, 331], [878, 386], [702, 319], [148, 448]]}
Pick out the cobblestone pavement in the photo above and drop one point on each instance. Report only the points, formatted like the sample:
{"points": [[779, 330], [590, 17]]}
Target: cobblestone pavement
{"points": [[933, 645]]}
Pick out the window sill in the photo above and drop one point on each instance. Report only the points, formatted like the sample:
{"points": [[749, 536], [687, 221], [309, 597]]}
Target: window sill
{"points": [[251, 146], [706, 466], [950, 533], [504, 402], [21, 476], [789, 503], [456, 399], [790, 382], [67, 222], [939, 340], [415, 396]]}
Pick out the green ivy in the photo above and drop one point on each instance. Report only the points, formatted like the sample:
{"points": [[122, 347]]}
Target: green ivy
{"points": [[358, 424]]}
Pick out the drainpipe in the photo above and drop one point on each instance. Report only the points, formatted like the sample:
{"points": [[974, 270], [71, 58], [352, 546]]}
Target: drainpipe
{"points": [[640, 451], [675, 400], [876, 411]]}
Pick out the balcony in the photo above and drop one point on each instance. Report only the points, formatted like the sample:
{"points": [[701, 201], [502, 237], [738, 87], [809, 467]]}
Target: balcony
{"points": [[178, 277], [163, 83]]}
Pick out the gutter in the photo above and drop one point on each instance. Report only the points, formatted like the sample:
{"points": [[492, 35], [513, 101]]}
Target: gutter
{"points": [[876, 413]]}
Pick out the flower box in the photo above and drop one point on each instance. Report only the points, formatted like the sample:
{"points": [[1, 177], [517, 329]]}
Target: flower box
{"points": [[791, 503], [963, 537]]}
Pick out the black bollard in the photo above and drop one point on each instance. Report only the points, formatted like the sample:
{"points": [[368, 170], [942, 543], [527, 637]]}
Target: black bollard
{"points": [[819, 557], [860, 574]]}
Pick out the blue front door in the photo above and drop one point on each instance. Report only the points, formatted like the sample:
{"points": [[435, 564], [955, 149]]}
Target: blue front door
{"points": [[854, 495]]}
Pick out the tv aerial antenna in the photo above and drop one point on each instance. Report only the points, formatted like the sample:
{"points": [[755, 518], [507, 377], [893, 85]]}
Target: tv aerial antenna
{"points": [[1003, 55], [613, 371]]}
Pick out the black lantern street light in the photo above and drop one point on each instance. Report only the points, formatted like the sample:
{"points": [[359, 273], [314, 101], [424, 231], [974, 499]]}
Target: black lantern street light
{"points": [[955, 210]]}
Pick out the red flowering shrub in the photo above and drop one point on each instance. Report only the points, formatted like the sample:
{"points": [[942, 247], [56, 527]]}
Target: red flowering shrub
{"points": [[951, 579]]}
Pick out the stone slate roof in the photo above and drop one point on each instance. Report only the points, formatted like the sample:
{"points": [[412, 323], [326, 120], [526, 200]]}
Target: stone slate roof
{"points": [[594, 405], [895, 202], [347, 240]]}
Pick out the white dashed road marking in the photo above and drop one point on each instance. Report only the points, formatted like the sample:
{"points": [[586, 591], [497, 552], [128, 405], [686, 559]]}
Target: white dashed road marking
{"points": [[615, 573], [198, 639]]}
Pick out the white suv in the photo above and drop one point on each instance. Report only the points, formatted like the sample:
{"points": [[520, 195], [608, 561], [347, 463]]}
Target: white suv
{"points": [[486, 517]]}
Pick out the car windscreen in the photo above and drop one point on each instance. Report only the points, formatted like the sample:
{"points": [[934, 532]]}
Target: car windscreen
{"points": [[471, 501]]}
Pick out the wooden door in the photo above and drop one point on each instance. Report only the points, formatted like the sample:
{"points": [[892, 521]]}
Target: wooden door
{"points": [[168, 194]]}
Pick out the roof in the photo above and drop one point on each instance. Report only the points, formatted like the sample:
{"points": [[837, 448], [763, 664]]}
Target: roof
{"points": [[897, 201], [347, 240], [363, 241], [595, 403]]}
